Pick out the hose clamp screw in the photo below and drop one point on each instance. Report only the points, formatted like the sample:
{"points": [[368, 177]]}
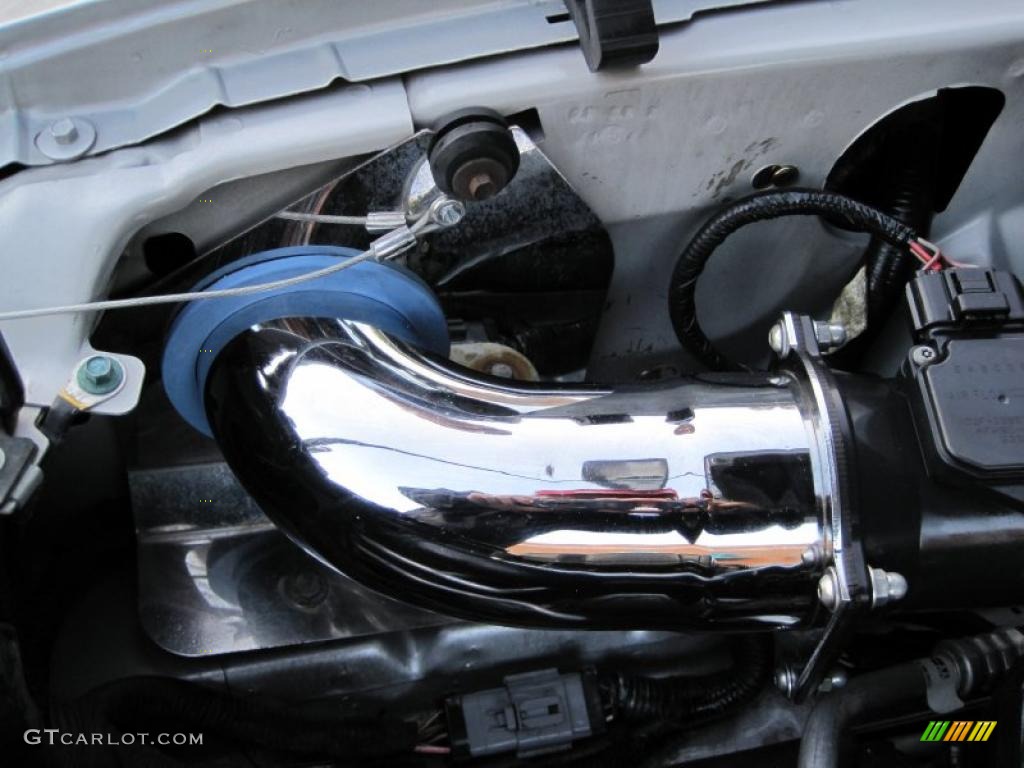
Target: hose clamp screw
{"points": [[100, 375]]}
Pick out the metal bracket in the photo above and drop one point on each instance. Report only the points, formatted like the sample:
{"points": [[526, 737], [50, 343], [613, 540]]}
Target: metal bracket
{"points": [[615, 33], [845, 588]]}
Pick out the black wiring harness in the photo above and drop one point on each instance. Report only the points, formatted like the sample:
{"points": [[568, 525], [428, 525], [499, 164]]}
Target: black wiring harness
{"points": [[762, 207]]}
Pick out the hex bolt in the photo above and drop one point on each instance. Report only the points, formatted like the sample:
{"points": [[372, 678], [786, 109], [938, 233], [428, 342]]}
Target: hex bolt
{"points": [[923, 355], [829, 335], [447, 212], [828, 589], [100, 375], [64, 131]]}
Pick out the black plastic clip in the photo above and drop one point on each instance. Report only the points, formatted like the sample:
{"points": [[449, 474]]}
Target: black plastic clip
{"points": [[615, 33]]}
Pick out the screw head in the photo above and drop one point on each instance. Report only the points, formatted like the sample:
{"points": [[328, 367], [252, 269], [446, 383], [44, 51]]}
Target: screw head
{"points": [[503, 370], [785, 679], [777, 338], [100, 375], [828, 592], [774, 175], [785, 175], [447, 212], [923, 355], [64, 131]]}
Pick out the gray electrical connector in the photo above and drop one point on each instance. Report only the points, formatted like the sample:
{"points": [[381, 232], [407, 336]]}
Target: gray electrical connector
{"points": [[534, 713]]}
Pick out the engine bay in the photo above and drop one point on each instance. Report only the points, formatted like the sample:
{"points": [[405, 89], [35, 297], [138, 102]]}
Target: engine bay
{"points": [[643, 383]]}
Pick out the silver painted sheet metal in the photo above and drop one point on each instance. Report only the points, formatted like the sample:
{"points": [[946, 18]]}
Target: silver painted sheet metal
{"points": [[132, 69], [67, 226], [654, 151]]}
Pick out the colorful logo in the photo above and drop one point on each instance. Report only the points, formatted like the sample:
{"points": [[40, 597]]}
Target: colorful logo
{"points": [[959, 730]]}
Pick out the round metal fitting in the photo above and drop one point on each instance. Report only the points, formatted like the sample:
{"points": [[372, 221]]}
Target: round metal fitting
{"points": [[66, 139], [774, 175], [828, 589], [777, 339], [3, 458], [810, 556], [785, 680], [100, 375], [923, 355], [886, 587], [835, 679], [447, 212], [304, 589]]}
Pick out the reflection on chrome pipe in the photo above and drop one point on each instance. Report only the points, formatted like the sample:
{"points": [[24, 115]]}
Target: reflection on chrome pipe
{"points": [[691, 504]]}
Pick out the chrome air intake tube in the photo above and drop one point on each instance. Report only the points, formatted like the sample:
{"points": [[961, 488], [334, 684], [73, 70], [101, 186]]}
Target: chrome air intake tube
{"points": [[696, 503]]}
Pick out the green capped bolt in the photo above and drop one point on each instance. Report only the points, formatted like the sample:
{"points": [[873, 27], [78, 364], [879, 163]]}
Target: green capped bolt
{"points": [[100, 375]]}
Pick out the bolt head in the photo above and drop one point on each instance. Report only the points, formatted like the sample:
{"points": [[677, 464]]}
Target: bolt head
{"points": [[785, 679], [777, 338], [828, 592], [784, 175], [503, 370], [448, 212], [923, 355], [886, 586], [100, 375], [64, 131]]}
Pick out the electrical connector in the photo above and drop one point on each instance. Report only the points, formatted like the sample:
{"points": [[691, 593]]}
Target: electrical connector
{"points": [[534, 713]]}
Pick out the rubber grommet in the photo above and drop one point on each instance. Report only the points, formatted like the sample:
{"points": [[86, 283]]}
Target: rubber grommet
{"points": [[383, 295]]}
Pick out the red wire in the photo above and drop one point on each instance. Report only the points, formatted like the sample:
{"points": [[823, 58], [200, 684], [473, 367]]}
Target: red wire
{"points": [[931, 261]]}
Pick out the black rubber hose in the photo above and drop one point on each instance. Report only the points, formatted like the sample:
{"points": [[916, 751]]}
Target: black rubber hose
{"points": [[834, 713], [163, 704], [690, 700], [760, 207]]}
